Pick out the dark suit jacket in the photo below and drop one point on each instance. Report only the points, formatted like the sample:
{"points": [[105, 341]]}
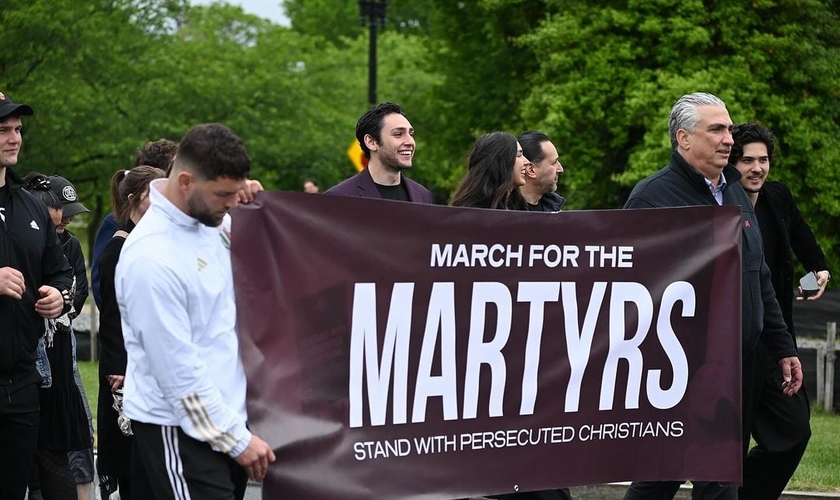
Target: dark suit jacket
{"points": [[681, 185], [362, 185], [796, 238]]}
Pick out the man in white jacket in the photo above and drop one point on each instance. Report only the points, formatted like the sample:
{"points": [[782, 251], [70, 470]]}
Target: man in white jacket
{"points": [[185, 384]]}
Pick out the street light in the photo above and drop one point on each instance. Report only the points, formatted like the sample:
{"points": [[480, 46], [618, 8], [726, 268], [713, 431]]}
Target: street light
{"points": [[372, 14]]}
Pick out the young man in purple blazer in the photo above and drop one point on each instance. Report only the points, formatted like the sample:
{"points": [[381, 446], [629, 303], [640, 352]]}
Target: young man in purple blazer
{"points": [[387, 139]]}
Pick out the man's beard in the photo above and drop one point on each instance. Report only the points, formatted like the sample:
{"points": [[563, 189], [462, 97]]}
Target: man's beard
{"points": [[392, 162], [199, 211]]}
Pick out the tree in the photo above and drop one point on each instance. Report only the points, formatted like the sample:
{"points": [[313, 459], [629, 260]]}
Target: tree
{"points": [[485, 75], [608, 76], [78, 65], [338, 21], [106, 77]]}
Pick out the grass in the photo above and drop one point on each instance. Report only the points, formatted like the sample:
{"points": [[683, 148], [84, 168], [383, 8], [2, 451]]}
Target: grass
{"points": [[819, 468], [816, 472], [90, 378]]}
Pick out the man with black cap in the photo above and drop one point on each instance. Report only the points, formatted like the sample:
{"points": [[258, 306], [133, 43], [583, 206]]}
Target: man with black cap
{"points": [[70, 205], [35, 283]]}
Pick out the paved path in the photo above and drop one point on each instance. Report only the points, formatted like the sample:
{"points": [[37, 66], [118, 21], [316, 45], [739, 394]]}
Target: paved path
{"points": [[597, 492], [616, 492]]}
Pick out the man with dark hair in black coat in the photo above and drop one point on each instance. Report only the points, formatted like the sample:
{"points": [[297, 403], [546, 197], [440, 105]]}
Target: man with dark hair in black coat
{"points": [[35, 283], [541, 173], [781, 426]]}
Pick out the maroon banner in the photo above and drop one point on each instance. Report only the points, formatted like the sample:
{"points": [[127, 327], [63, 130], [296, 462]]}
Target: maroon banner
{"points": [[396, 350]]}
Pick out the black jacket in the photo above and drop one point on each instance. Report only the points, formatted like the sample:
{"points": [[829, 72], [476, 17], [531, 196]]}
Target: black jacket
{"points": [[680, 185], [796, 238], [114, 448], [28, 243], [112, 355], [73, 251], [550, 202]]}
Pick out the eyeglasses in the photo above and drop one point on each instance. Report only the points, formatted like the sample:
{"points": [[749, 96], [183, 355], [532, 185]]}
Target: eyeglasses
{"points": [[67, 220]]}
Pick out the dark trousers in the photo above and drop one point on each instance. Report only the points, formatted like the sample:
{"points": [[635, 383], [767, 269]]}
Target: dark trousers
{"points": [[781, 429], [665, 490], [169, 465], [19, 420], [81, 461]]}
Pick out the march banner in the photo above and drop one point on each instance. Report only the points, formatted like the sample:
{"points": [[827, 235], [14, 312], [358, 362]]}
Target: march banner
{"points": [[404, 351]]}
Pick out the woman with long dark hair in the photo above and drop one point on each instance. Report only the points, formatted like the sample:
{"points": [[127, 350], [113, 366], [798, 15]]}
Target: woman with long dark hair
{"points": [[496, 169]]}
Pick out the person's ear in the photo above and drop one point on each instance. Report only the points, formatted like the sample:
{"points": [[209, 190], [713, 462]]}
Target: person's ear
{"points": [[371, 143], [185, 180], [531, 170], [683, 139]]}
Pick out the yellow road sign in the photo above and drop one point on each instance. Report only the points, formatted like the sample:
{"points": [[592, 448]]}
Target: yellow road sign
{"points": [[357, 156]]}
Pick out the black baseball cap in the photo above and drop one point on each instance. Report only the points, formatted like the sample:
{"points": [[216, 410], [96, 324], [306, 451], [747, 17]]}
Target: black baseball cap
{"points": [[66, 192], [9, 108]]}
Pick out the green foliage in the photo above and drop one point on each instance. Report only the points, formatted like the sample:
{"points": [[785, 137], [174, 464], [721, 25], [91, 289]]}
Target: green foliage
{"points": [[608, 76], [271, 85], [486, 75], [334, 19], [106, 76], [340, 20], [78, 65]]}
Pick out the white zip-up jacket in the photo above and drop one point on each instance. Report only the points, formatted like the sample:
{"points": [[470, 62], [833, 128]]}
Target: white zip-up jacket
{"points": [[175, 292]]}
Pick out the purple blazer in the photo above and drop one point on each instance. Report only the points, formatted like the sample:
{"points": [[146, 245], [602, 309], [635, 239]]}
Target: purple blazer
{"points": [[362, 185]]}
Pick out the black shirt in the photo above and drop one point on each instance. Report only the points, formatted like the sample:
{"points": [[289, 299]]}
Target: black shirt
{"points": [[398, 192], [770, 234], [541, 206], [549, 202]]}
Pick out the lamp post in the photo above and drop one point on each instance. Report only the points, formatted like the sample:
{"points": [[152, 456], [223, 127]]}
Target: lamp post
{"points": [[372, 14]]}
